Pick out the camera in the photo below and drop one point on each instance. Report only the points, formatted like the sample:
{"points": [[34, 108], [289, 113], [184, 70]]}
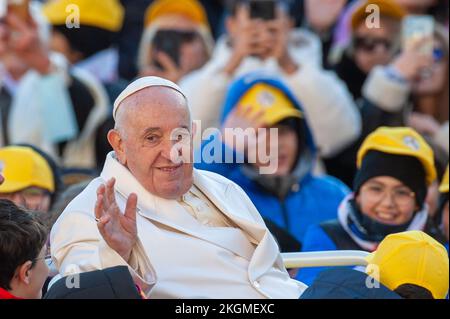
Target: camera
{"points": [[170, 42], [262, 9]]}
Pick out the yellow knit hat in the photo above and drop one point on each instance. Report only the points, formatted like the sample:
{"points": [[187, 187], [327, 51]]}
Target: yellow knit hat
{"points": [[22, 167], [103, 14], [400, 141], [411, 257], [386, 8], [191, 9]]}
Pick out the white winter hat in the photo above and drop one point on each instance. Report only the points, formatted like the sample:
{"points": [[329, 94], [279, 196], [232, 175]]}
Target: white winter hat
{"points": [[142, 83]]}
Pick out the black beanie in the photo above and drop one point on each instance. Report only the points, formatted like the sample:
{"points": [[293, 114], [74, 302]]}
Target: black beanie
{"points": [[407, 169], [86, 39]]}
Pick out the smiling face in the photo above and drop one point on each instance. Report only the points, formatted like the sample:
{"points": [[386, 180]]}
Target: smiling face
{"points": [[387, 201], [144, 139]]}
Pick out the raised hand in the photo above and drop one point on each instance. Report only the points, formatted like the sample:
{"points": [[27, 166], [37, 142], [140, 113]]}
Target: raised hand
{"points": [[22, 39], [242, 118], [279, 30], [412, 61], [424, 123], [169, 69], [249, 37], [323, 14], [117, 229]]}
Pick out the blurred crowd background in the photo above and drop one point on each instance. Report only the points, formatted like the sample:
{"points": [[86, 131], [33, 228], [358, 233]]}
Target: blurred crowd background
{"points": [[58, 81]]}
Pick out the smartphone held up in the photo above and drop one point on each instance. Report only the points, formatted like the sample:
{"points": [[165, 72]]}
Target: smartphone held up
{"points": [[416, 29]]}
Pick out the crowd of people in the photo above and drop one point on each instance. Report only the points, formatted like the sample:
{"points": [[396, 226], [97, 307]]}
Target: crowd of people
{"points": [[136, 148]]}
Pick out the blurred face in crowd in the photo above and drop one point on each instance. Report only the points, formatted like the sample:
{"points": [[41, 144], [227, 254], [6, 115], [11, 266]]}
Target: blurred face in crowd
{"points": [[416, 6], [436, 78], [60, 44], [241, 28], [287, 145], [30, 277], [144, 138], [432, 199], [445, 220], [14, 65], [387, 201], [32, 198], [193, 53], [375, 46]]}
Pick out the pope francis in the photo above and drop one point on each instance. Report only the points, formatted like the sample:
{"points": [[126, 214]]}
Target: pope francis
{"points": [[182, 232]]}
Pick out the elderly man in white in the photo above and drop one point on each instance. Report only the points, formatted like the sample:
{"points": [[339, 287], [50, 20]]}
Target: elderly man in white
{"points": [[183, 233]]}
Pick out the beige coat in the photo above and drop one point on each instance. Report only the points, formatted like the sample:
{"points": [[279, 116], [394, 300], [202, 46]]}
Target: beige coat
{"points": [[174, 257]]}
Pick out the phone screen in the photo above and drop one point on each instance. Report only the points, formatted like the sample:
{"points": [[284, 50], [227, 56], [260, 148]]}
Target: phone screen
{"points": [[169, 42], [415, 28], [262, 9]]}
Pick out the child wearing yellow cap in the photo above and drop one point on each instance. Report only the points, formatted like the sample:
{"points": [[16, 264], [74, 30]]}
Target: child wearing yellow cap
{"points": [[176, 41], [99, 21], [395, 169], [30, 181], [289, 196]]}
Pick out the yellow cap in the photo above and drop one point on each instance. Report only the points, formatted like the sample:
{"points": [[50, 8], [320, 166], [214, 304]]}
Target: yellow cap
{"points": [[273, 101], [411, 257], [386, 8], [22, 167], [104, 14], [444, 184], [400, 141], [191, 9]]}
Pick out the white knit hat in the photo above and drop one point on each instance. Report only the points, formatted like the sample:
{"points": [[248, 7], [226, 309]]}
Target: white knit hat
{"points": [[142, 83]]}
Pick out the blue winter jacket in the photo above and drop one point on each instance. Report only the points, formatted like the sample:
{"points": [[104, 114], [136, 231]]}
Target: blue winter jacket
{"points": [[313, 200]]}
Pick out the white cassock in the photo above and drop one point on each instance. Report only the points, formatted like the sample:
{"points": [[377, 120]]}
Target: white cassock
{"points": [[177, 256]]}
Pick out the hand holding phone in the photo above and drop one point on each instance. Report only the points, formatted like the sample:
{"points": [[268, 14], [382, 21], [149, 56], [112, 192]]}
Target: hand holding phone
{"points": [[417, 34]]}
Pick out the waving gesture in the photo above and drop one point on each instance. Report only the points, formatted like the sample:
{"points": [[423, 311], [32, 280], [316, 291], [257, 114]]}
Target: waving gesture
{"points": [[118, 230]]}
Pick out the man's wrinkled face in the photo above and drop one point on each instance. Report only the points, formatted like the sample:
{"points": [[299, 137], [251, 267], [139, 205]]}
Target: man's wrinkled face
{"points": [[150, 123]]}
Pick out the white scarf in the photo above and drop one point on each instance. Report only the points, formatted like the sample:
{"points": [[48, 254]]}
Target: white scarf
{"points": [[418, 223]]}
